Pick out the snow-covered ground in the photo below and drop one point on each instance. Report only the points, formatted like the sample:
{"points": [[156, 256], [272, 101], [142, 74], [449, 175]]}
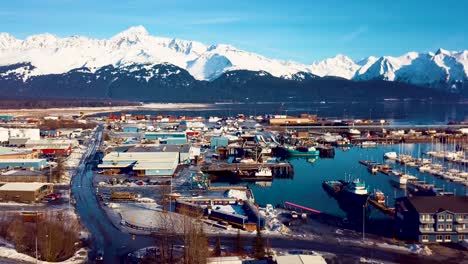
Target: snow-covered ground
{"points": [[8, 252]]}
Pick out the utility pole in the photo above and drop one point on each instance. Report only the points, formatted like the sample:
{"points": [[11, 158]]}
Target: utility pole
{"points": [[363, 222]]}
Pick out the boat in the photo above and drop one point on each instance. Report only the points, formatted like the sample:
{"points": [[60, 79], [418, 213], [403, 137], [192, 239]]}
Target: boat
{"points": [[391, 155], [421, 189], [354, 132], [343, 143], [352, 192], [368, 144], [378, 196], [302, 151], [264, 172]]}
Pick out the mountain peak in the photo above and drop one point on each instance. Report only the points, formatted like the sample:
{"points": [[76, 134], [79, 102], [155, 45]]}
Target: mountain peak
{"points": [[132, 33], [136, 30], [442, 51]]}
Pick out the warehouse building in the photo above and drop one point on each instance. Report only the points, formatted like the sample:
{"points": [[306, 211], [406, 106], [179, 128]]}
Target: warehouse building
{"points": [[141, 163], [14, 153], [24, 192], [37, 164], [6, 134], [24, 176]]}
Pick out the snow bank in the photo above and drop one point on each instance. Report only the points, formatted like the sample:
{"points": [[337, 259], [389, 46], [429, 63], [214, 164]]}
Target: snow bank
{"points": [[10, 253]]}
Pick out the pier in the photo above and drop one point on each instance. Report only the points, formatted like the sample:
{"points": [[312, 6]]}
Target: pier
{"points": [[282, 168], [300, 207]]}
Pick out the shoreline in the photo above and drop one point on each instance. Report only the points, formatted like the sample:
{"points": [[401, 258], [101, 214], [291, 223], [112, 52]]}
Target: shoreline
{"points": [[86, 111]]}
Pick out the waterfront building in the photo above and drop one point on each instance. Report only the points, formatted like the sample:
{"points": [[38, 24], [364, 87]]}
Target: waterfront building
{"points": [[428, 219]]}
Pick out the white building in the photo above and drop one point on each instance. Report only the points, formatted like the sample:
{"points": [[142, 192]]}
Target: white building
{"points": [[29, 133]]}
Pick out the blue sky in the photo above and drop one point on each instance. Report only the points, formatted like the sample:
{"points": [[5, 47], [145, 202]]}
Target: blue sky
{"points": [[302, 31]]}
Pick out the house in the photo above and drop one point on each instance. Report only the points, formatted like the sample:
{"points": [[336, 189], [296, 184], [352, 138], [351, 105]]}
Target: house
{"points": [[430, 219]]}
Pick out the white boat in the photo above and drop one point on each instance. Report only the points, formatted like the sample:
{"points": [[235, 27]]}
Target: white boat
{"points": [[368, 144], [391, 155], [354, 132], [425, 168], [264, 172]]}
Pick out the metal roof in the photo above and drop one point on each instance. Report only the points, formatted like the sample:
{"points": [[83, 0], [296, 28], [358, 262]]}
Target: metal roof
{"points": [[22, 186], [433, 204], [142, 156], [155, 166]]}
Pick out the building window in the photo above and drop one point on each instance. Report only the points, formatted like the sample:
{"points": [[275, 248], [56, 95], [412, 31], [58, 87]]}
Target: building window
{"points": [[425, 238], [441, 217], [461, 238], [449, 227], [449, 217], [448, 238], [439, 238], [440, 227]]}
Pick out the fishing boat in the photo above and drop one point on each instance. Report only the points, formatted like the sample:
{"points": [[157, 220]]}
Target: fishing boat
{"points": [[352, 192], [264, 172], [302, 151], [378, 196]]}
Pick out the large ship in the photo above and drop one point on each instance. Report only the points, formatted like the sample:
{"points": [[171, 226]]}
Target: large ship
{"points": [[352, 192]]}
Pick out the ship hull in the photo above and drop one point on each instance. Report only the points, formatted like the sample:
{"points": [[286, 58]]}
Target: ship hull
{"points": [[344, 196], [301, 153]]}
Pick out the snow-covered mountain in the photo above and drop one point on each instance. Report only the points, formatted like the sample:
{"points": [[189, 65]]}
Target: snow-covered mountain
{"points": [[45, 54]]}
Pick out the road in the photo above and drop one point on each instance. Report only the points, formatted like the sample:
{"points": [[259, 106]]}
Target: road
{"points": [[105, 236], [116, 244]]}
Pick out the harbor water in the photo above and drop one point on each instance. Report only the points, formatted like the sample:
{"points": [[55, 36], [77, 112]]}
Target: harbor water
{"points": [[305, 188]]}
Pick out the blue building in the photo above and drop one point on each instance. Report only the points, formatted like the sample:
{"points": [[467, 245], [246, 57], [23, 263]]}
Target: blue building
{"points": [[428, 219], [37, 164], [217, 142], [130, 129], [170, 138], [6, 118]]}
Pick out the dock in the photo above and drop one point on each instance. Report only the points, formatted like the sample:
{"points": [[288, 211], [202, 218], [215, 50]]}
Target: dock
{"points": [[281, 168], [300, 207]]}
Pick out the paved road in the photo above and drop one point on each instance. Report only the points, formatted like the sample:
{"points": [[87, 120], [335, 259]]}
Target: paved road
{"points": [[105, 236]]}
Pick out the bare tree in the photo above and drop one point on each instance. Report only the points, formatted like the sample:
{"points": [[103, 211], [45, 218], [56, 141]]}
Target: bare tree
{"points": [[59, 170], [57, 235]]}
